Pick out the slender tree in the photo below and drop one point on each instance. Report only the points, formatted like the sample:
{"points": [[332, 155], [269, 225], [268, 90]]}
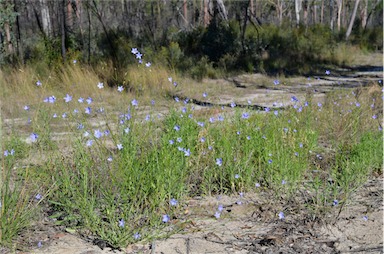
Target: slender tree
{"points": [[349, 30], [297, 11], [339, 8]]}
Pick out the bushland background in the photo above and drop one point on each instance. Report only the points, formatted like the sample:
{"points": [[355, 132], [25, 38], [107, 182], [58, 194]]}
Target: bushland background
{"points": [[201, 38]]}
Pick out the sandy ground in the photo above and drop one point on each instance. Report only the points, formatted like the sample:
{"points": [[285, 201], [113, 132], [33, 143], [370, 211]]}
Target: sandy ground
{"points": [[253, 226]]}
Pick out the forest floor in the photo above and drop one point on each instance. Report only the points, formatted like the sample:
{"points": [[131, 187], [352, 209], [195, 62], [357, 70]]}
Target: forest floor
{"points": [[252, 225]]}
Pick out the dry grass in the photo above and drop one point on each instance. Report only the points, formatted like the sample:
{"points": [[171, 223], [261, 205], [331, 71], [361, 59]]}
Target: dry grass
{"points": [[18, 86]]}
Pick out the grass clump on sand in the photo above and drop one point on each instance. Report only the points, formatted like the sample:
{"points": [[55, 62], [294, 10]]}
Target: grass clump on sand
{"points": [[123, 170]]}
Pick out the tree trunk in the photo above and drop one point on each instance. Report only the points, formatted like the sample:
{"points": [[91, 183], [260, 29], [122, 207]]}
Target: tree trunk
{"points": [[251, 7], [185, 12], [339, 8], [89, 32], [69, 21], [244, 26], [19, 44], [62, 25], [222, 10], [331, 14], [305, 12], [8, 38], [364, 15], [206, 13], [322, 12], [45, 18], [279, 8], [349, 30], [297, 11]]}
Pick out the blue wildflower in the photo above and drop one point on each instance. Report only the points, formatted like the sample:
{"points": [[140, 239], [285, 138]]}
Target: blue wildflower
{"points": [[51, 99], [134, 51], [98, 134], [119, 146], [38, 196], [137, 236], [121, 223], [67, 98], [187, 152], [281, 216], [134, 103], [165, 218], [219, 162], [245, 115], [34, 137], [88, 110], [100, 85], [89, 100], [89, 143], [294, 99], [201, 124], [173, 202]]}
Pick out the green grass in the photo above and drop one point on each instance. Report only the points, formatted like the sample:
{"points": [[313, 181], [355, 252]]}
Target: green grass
{"points": [[329, 149]]}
